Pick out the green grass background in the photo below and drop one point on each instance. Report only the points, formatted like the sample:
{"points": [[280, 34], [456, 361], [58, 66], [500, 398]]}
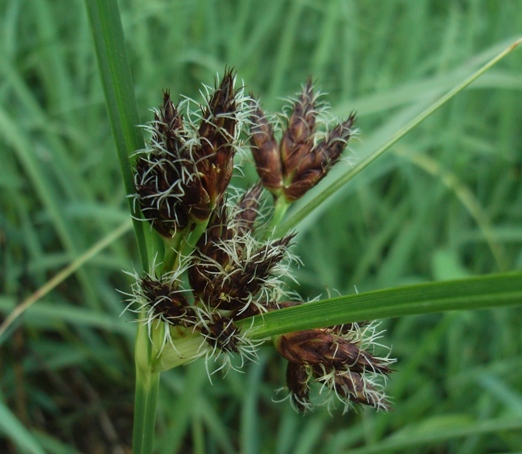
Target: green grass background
{"points": [[444, 203]]}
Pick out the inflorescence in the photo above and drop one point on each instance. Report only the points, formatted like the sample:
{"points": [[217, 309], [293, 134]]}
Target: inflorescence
{"points": [[221, 264]]}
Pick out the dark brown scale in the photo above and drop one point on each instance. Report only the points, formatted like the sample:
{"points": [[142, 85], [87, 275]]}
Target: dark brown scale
{"points": [[167, 302], [249, 281], [214, 158], [297, 378], [248, 210], [298, 138], [265, 151], [321, 346], [222, 333], [352, 386], [169, 126]]}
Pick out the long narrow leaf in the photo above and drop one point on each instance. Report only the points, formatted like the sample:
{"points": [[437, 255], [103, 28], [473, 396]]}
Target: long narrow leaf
{"points": [[119, 93], [424, 436], [117, 83], [492, 291], [17, 433]]}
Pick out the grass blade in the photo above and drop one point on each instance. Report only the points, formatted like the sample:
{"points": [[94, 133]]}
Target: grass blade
{"points": [[61, 276], [492, 291], [117, 83], [17, 433]]}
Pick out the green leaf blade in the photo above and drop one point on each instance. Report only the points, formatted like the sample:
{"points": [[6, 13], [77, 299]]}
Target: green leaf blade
{"points": [[115, 73], [492, 291]]}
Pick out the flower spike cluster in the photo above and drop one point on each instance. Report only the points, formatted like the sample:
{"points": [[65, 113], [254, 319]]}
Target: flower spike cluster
{"points": [[338, 358], [301, 159], [224, 266], [232, 270], [231, 275], [185, 172]]}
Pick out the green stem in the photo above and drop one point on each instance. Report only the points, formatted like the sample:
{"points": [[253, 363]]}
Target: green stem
{"points": [[147, 385], [172, 252], [146, 398], [280, 208], [192, 238]]}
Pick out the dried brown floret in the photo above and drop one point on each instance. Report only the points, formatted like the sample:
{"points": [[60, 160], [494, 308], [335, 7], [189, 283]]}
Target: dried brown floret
{"points": [[335, 358], [300, 161]]}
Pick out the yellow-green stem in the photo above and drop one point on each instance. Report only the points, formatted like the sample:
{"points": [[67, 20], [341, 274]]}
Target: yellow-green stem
{"points": [[192, 238], [147, 385], [172, 248], [280, 209]]}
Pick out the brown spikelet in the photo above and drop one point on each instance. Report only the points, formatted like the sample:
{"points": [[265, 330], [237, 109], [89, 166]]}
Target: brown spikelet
{"points": [[300, 161], [228, 271], [222, 333], [159, 172], [334, 357], [248, 209], [214, 160], [298, 138], [166, 302], [265, 151]]}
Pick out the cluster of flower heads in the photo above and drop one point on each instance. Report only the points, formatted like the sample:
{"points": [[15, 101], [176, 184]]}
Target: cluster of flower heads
{"points": [[185, 172], [340, 359], [225, 273], [299, 161]]}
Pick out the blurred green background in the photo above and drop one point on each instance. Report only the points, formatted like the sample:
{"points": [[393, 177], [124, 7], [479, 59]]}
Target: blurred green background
{"points": [[444, 203]]}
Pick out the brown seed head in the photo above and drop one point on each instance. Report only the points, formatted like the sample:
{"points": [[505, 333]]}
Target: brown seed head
{"points": [[185, 172], [227, 273], [298, 138], [221, 332], [265, 151], [159, 173], [248, 275], [300, 161], [166, 301], [215, 159], [324, 346], [336, 362], [230, 268]]}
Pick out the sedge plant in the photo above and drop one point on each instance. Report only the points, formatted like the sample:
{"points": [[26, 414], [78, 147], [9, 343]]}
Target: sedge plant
{"points": [[220, 263], [214, 261]]}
